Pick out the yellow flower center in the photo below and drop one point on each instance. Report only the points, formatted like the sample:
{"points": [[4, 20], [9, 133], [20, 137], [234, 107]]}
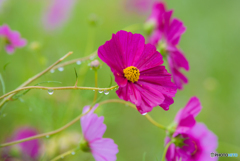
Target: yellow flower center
{"points": [[131, 73]]}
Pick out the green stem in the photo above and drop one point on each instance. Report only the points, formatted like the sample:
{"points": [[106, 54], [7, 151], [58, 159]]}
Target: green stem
{"points": [[3, 85], [30, 80], [133, 106], [56, 88], [165, 150], [96, 85], [65, 154]]}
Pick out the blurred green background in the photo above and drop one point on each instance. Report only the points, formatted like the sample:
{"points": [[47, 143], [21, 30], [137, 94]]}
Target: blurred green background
{"points": [[211, 44]]}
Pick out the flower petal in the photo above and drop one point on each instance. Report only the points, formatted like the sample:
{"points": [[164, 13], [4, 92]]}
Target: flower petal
{"points": [[104, 149]]}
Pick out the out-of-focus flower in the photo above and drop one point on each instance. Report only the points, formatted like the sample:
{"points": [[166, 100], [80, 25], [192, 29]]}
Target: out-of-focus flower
{"points": [[57, 14], [165, 35], [95, 64], [11, 39], [93, 129], [185, 118], [139, 6], [28, 150], [195, 145], [138, 71]]}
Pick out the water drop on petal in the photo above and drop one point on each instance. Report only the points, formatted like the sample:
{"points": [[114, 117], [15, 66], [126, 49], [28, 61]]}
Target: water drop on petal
{"points": [[60, 69], [100, 91], [52, 70], [106, 92], [50, 91], [144, 113]]}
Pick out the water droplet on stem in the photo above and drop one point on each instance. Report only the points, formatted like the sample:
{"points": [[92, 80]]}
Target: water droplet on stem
{"points": [[50, 91], [106, 92]]}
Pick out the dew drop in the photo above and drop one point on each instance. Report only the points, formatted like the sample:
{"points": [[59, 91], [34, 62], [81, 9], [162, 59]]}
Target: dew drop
{"points": [[78, 62], [52, 70], [144, 113], [50, 91], [60, 69], [73, 153], [47, 136], [100, 91], [106, 92]]}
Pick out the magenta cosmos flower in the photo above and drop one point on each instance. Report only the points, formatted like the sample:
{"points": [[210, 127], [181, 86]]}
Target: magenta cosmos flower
{"points": [[185, 118], [57, 14], [93, 128], [12, 39], [28, 150], [195, 145], [138, 71], [165, 36]]}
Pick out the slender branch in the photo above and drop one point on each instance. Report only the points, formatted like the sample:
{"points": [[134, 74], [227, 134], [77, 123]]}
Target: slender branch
{"points": [[57, 88], [45, 134], [75, 60], [65, 154], [133, 106], [165, 150], [30, 80]]}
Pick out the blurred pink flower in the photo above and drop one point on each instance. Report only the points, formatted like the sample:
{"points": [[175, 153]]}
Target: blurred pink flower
{"points": [[195, 145], [165, 36], [138, 71], [93, 128], [139, 6], [57, 13], [185, 118], [28, 150], [11, 39]]}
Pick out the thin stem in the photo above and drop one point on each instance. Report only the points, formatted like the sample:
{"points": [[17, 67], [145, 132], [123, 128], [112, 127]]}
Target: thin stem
{"points": [[3, 85], [133, 106], [45, 134], [96, 85], [65, 154], [30, 80], [56, 88], [75, 60], [165, 150]]}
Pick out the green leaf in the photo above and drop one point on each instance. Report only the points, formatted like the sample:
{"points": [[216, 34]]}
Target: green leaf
{"points": [[76, 73]]}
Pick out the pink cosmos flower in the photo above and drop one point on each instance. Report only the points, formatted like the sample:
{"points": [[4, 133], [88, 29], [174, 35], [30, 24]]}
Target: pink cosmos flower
{"points": [[57, 13], [166, 35], [185, 118], [93, 128], [195, 145], [28, 150], [12, 39], [138, 71]]}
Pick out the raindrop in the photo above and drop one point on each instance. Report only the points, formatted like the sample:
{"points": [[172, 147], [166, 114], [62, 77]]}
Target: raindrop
{"points": [[52, 70], [78, 62], [73, 153], [106, 92], [100, 91], [60, 69], [47, 136], [50, 91], [144, 113]]}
